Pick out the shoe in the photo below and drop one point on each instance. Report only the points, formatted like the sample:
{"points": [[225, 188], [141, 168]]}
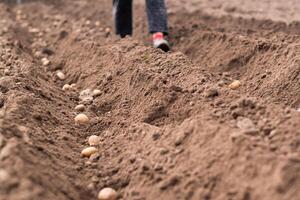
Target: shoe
{"points": [[159, 42]]}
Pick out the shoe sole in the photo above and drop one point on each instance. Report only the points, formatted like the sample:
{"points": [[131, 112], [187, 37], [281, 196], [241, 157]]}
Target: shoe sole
{"points": [[164, 47]]}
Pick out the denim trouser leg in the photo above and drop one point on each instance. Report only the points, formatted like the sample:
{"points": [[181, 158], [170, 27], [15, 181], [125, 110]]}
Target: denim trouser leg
{"points": [[157, 16], [156, 12], [122, 13]]}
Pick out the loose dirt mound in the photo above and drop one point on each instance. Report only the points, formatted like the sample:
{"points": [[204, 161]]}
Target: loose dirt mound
{"points": [[171, 126]]}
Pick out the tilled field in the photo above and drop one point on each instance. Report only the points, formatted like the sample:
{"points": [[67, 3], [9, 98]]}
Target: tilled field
{"points": [[215, 119]]}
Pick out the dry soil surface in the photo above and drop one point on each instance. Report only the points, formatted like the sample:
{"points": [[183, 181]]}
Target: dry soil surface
{"points": [[217, 118]]}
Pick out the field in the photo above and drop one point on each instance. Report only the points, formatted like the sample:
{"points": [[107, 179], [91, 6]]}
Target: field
{"points": [[217, 118]]}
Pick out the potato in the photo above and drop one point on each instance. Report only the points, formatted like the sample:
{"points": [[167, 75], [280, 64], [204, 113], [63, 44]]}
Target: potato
{"points": [[97, 23], [107, 30], [235, 85], [94, 140], [60, 75], [66, 87], [107, 194], [45, 61], [73, 85], [87, 152], [96, 93], [4, 176], [81, 119], [38, 54], [80, 107]]}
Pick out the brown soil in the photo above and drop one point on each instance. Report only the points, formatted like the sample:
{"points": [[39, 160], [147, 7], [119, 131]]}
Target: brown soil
{"points": [[170, 126]]}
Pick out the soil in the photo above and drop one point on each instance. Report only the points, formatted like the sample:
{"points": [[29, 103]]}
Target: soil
{"points": [[170, 126]]}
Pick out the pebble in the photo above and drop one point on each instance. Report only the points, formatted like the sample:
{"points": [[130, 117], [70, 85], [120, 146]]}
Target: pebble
{"points": [[235, 85], [94, 140], [60, 75], [107, 194], [81, 119], [66, 87], [45, 61], [87, 152], [80, 107]]}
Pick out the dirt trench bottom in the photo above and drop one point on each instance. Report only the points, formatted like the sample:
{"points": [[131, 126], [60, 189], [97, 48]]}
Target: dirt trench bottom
{"points": [[170, 127]]}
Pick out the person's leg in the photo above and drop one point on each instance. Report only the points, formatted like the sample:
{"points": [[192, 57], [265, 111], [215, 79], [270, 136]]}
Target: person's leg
{"points": [[122, 13], [157, 16]]}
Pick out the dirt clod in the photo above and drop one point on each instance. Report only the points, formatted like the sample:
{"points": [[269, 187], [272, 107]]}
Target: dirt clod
{"points": [[247, 126]]}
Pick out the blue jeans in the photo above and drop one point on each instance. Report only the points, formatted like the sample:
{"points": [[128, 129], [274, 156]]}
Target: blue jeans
{"points": [[156, 12]]}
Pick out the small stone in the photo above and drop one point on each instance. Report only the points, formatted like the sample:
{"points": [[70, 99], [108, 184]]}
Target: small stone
{"points": [[66, 87], [60, 75], [81, 119], [87, 152], [107, 194], [96, 93], [235, 85], [45, 61], [80, 108], [94, 140]]}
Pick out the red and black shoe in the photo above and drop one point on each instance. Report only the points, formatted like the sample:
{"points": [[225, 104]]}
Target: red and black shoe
{"points": [[160, 42]]}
